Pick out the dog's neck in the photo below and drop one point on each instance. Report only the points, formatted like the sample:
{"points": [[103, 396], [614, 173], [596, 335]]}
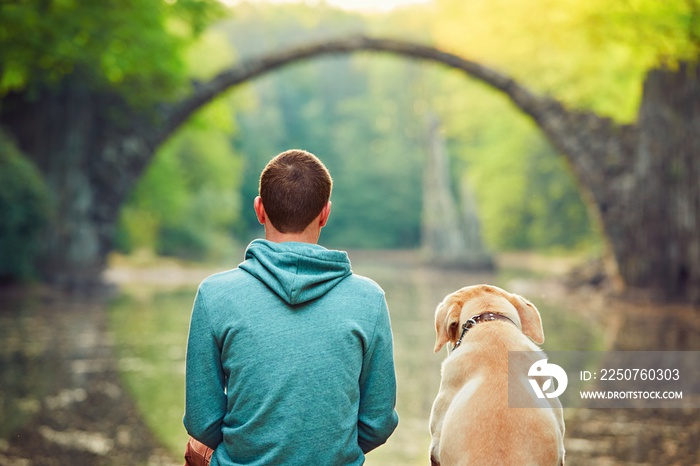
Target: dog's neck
{"points": [[483, 317]]}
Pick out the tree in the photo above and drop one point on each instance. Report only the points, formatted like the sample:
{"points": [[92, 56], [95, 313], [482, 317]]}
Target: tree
{"points": [[24, 209]]}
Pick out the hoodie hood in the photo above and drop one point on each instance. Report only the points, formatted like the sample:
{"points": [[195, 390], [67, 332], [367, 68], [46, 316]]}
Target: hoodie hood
{"points": [[296, 272]]}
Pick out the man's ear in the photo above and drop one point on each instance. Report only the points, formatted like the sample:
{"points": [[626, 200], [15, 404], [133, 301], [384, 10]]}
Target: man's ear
{"points": [[259, 210], [325, 213]]}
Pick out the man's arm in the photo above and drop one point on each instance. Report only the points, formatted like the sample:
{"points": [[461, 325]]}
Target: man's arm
{"points": [[205, 399], [377, 418]]}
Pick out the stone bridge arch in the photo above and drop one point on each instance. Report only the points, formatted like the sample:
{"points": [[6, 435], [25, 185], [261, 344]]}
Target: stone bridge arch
{"points": [[640, 179]]}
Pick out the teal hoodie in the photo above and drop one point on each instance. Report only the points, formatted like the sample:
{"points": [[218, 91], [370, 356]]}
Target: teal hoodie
{"points": [[290, 360]]}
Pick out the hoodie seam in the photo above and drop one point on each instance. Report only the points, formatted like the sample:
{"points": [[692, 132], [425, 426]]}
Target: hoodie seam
{"points": [[377, 316], [205, 309], [300, 255], [295, 281]]}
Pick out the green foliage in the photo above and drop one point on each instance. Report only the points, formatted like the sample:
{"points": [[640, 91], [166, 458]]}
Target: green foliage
{"points": [[659, 32], [532, 202], [130, 45], [527, 198], [553, 208], [187, 202], [24, 210], [355, 113], [591, 54]]}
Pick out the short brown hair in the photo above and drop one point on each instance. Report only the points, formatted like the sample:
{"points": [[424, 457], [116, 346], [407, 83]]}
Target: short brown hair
{"points": [[294, 187]]}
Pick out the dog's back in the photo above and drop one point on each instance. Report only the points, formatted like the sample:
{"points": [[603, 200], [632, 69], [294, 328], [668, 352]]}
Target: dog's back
{"points": [[479, 428]]}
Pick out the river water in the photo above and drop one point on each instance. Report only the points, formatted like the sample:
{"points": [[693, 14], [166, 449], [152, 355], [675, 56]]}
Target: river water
{"points": [[62, 358]]}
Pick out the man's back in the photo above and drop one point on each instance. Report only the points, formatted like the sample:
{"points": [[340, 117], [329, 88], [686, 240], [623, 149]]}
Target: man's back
{"points": [[305, 359]]}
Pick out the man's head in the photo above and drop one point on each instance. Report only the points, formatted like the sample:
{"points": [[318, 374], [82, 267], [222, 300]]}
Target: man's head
{"points": [[295, 187]]}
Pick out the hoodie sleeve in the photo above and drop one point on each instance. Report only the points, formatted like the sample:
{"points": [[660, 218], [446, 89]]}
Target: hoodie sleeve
{"points": [[205, 398], [377, 418]]}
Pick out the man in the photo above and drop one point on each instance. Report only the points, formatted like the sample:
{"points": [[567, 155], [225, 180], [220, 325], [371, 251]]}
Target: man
{"points": [[289, 356]]}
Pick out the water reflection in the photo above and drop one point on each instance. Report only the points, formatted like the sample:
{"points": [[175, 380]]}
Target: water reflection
{"points": [[150, 326], [61, 396], [45, 361], [24, 363]]}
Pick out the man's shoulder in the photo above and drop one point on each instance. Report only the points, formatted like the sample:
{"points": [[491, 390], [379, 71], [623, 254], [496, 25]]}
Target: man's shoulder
{"points": [[363, 284], [225, 279]]}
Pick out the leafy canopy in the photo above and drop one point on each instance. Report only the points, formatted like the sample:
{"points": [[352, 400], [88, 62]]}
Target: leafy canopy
{"points": [[591, 54], [131, 45]]}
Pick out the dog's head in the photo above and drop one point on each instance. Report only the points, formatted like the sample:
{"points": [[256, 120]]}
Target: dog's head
{"points": [[469, 301]]}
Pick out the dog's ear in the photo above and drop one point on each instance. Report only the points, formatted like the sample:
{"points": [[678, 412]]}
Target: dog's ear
{"points": [[446, 322], [529, 318]]}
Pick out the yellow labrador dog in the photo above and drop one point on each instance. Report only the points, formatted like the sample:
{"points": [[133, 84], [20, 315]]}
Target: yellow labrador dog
{"points": [[471, 422]]}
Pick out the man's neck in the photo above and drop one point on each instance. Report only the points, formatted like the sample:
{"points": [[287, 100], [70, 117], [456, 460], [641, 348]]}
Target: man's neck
{"points": [[302, 237]]}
